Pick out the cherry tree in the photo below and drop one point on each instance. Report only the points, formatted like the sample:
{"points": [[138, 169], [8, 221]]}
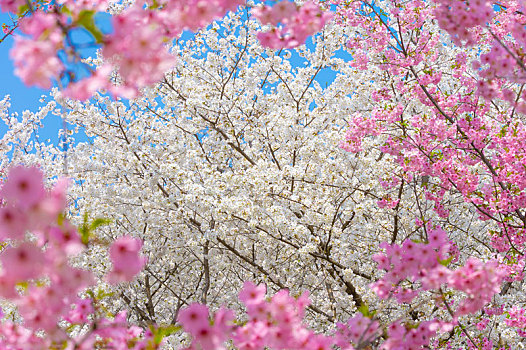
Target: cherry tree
{"points": [[226, 176], [230, 170], [446, 118]]}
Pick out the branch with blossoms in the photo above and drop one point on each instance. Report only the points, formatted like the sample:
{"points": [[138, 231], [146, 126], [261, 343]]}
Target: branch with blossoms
{"points": [[38, 278], [276, 322], [467, 21], [453, 115], [56, 305], [136, 53]]}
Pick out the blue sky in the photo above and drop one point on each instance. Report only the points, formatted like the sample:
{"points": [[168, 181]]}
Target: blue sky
{"points": [[22, 97]]}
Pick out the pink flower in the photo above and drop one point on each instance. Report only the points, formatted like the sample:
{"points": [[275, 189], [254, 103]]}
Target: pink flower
{"points": [[282, 306], [11, 5], [67, 238], [36, 62], [82, 309], [437, 237], [55, 202], [194, 318], [13, 223], [39, 23], [224, 320], [24, 186], [251, 294], [85, 88], [23, 262], [320, 342], [124, 254], [251, 336], [282, 10], [71, 279]]}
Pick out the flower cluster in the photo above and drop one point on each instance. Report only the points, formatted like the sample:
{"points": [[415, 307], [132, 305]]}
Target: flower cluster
{"points": [[517, 319], [290, 24], [358, 331], [480, 23], [425, 262], [137, 49], [38, 279], [401, 337], [275, 323], [412, 260], [457, 17]]}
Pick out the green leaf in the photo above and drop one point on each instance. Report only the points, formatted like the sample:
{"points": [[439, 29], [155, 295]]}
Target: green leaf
{"points": [[87, 21], [445, 262], [22, 9], [90, 293], [65, 10], [162, 332], [155, 4], [412, 325], [24, 285], [87, 227], [101, 294], [60, 219], [503, 131], [98, 222], [84, 230], [364, 310]]}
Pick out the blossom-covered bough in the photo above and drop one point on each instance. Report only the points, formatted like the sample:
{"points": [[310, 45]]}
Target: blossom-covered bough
{"points": [[37, 278], [137, 48], [453, 122], [231, 169]]}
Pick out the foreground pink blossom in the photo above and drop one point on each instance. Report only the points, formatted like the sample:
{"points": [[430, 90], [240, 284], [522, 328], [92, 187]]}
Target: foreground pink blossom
{"points": [[138, 47], [124, 254], [51, 287], [37, 278]]}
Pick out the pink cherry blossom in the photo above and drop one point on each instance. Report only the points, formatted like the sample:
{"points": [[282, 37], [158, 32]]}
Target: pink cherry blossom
{"points": [[194, 318], [13, 222], [126, 260], [23, 262], [23, 186]]}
